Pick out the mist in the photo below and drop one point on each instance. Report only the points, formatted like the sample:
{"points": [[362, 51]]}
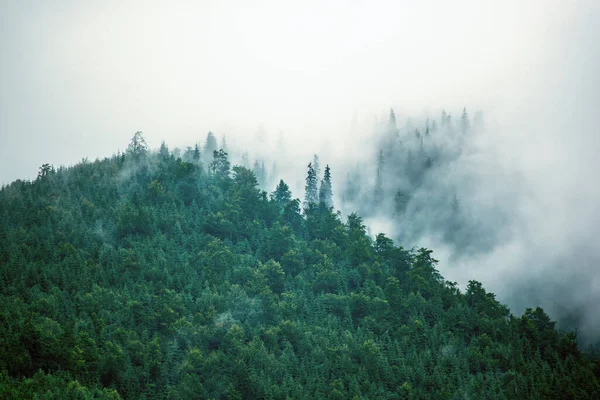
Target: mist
{"points": [[286, 82]]}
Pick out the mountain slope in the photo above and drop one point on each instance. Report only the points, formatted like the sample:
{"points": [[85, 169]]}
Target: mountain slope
{"points": [[146, 275]]}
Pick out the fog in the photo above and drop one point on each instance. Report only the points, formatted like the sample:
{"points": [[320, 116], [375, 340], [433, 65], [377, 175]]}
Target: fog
{"points": [[285, 82]]}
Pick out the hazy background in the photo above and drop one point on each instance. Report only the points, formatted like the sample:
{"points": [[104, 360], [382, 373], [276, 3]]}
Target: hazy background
{"points": [[78, 78]]}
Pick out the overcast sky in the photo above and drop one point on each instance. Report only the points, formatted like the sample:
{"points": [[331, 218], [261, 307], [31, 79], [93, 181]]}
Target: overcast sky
{"points": [[78, 78]]}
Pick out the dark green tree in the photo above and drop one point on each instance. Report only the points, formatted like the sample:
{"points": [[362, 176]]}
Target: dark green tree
{"points": [[310, 189], [45, 170], [138, 147], [282, 194], [196, 154], [210, 145], [163, 151], [325, 190], [316, 165], [260, 172], [220, 165]]}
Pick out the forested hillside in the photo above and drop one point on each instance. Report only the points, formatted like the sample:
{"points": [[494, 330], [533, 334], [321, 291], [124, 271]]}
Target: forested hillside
{"points": [[162, 275]]}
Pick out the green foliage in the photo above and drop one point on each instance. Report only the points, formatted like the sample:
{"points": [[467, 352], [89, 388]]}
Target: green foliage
{"points": [[143, 277], [325, 191], [220, 165], [311, 192], [138, 147]]}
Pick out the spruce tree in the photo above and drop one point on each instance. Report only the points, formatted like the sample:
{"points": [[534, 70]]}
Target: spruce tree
{"points": [[220, 165], [325, 191], [196, 154], [210, 146], [138, 146], [310, 189], [316, 167], [260, 172], [282, 194], [163, 151]]}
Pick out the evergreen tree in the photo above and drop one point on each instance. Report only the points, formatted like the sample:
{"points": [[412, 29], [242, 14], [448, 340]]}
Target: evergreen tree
{"points": [[196, 155], [310, 189], [325, 190], [282, 194], [260, 172], [316, 166], [220, 165], [138, 147], [163, 151], [210, 146], [45, 170]]}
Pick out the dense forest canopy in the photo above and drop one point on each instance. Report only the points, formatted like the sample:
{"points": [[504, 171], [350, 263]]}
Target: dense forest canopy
{"points": [[187, 274]]}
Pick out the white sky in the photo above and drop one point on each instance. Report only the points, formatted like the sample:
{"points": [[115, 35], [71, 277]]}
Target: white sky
{"points": [[78, 78]]}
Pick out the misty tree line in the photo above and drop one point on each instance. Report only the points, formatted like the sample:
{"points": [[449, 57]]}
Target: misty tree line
{"points": [[405, 181], [408, 183], [148, 275]]}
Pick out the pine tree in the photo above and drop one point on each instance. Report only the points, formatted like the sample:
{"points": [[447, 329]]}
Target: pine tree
{"points": [[260, 172], [196, 154], [316, 167], [220, 165], [210, 146], [138, 146], [310, 189], [163, 151], [282, 194], [325, 191], [44, 171]]}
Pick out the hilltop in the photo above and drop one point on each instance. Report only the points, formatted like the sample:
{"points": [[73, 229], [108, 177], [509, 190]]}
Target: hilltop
{"points": [[151, 275]]}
